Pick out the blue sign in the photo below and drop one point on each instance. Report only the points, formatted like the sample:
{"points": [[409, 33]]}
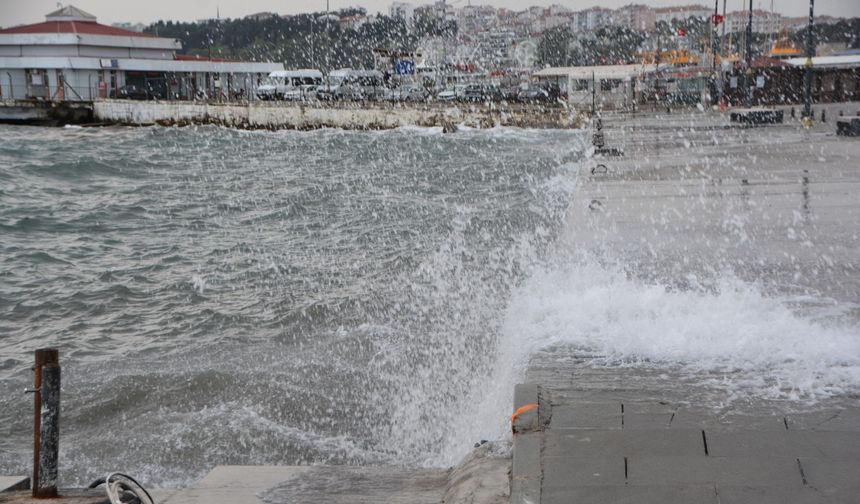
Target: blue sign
{"points": [[404, 67]]}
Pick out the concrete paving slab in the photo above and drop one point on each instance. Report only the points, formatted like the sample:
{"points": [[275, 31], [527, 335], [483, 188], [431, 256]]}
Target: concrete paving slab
{"points": [[527, 455], [67, 496], [160, 495], [770, 495], [773, 443], [728, 422], [360, 485], [567, 473], [587, 415], [787, 443], [843, 419], [637, 406], [836, 444], [10, 483], [526, 491], [832, 476], [312, 484], [647, 421], [526, 469], [736, 471], [691, 419], [525, 394], [606, 443], [235, 484], [633, 494]]}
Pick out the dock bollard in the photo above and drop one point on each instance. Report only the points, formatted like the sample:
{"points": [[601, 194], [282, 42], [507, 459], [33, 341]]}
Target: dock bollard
{"points": [[46, 422]]}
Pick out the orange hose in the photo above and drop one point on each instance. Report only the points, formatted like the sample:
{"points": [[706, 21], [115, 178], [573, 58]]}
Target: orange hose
{"points": [[521, 410]]}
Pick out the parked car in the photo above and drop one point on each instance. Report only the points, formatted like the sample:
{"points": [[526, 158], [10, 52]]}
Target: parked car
{"points": [[349, 84], [451, 93], [511, 93], [481, 93], [534, 94], [410, 92], [290, 85]]}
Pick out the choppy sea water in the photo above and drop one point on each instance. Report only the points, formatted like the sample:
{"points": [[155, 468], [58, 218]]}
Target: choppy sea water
{"points": [[229, 297]]}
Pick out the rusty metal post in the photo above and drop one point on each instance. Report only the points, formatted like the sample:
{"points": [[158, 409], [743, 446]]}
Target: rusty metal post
{"points": [[46, 422]]}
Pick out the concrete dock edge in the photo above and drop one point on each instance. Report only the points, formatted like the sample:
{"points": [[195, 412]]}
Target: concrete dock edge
{"points": [[530, 417], [14, 483]]}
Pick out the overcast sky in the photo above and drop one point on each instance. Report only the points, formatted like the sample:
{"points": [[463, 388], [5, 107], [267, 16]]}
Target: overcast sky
{"points": [[13, 12]]}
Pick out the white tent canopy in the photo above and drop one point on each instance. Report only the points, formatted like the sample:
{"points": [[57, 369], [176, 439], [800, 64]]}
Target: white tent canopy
{"points": [[847, 61], [605, 72]]}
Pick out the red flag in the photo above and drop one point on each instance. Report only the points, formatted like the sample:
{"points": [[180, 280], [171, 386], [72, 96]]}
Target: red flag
{"points": [[682, 32], [717, 19]]}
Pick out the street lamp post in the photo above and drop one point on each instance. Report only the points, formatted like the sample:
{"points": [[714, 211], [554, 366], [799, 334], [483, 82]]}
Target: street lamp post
{"points": [[748, 78], [714, 47], [810, 52]]}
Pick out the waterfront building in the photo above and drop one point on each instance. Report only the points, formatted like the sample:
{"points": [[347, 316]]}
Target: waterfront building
{"points": [[591, 19], [72, 57], [762, 21], [401, 10], [682, 12], [636, 17]]}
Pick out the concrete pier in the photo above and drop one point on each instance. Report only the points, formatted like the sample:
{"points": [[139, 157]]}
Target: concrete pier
{"points": [[45, 112], [14, 483], [656, 434], [624, 444], [345, 115], [480, 479]]}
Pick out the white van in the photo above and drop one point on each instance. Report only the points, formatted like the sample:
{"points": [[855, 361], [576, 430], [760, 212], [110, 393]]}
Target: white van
{"points": [[290, 85], [349, 84]]}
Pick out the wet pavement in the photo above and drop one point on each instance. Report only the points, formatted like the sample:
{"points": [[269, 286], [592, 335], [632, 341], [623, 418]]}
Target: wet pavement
{"points": [[694, 194], [693, 199], [629, 435]]}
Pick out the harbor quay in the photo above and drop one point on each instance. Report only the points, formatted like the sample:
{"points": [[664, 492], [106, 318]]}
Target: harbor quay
{"points": [[344, 115], [626, 435], [463, 254], [698, 188], [588, 429]]}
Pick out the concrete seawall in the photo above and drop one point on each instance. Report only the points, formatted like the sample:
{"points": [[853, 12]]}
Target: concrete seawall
{"points": [[337, 115], [45, 112]]}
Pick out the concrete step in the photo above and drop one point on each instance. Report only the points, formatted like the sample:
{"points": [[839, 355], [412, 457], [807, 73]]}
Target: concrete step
{"points": [[481, 478], [11, 483]]}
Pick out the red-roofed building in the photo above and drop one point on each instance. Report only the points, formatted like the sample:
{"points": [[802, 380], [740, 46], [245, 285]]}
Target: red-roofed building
{"points": [[71, 56]]}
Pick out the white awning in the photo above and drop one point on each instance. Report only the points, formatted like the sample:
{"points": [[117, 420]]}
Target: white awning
{"points": [[599, 72], [146, 65], [847, 61]]}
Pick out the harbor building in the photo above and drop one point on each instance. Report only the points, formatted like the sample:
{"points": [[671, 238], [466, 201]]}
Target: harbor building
{"points": [[72, 57]]}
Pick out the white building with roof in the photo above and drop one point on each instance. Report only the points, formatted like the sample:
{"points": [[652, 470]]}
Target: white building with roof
{"points": [[401, 10], [71, 57], [604, 86], [762, 21], [682, 12]]}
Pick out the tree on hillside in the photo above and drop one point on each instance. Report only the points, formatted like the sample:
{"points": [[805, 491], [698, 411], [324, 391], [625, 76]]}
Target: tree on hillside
{"points": [[605, 46], [303, 41]]}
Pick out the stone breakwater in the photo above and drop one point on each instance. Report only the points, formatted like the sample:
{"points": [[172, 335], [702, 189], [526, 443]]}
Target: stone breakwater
{"points": [[354, 116]]}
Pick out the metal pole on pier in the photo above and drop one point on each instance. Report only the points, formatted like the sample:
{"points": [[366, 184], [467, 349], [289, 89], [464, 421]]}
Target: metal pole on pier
{"points": [[807, 80], [593, 93], [748, 80], [723, 41], [46, 422], [714, 49]]}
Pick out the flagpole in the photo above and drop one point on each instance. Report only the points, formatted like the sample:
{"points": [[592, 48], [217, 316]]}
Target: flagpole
{"points": [[747, 80]]}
